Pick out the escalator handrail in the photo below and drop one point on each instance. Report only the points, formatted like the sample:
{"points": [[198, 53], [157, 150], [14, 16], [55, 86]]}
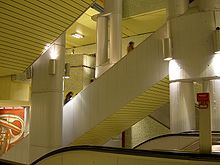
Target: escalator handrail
{"points": [[8, 162], [188, 133], [146, 153]]}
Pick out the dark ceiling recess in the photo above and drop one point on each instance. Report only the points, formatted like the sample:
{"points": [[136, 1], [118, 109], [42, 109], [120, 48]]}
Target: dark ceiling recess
{"points": [[98, 7]]}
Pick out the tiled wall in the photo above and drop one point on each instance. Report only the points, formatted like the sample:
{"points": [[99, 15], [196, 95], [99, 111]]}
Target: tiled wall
{"points": [[144, 130]]}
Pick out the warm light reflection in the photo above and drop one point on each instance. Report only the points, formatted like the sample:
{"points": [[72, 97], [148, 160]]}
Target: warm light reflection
{"points": [[174, 70], [46, 47], [217, 52], [66, 77], [77, 35], [168, 59], [53, 52], [215, 148], [216, 64]]}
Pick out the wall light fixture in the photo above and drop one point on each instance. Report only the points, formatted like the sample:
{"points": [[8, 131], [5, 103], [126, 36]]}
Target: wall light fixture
{"points": [[216, 40], [167, 49], [52, 66]]}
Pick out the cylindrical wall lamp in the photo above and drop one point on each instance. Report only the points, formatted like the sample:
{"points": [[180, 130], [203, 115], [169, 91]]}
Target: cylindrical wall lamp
{"points": [[67, 70], [216, 40], [167, 49], [52, 66]]}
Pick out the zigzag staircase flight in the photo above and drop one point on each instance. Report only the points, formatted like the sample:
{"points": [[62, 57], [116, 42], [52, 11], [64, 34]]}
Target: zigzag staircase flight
{"points": [[132, 89]]}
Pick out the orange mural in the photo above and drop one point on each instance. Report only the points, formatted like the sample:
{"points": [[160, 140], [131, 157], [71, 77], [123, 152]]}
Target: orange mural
{"points": [[11, 126]]}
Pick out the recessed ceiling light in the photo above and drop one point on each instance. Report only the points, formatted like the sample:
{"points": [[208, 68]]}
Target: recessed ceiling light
{"points": [[168, 59], [77, 35]]}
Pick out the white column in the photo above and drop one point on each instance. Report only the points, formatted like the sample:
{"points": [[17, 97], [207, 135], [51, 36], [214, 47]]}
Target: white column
{"points": [[177, 8], [47, 101], [205, 134], [182, 103], [212, 5], [115, 8], [215, 104], [205, 5], [182, 107], [101, 43]]}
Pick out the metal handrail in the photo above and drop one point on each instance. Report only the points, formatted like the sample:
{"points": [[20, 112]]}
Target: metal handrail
{"points": [[132, 152], [188, 133]]}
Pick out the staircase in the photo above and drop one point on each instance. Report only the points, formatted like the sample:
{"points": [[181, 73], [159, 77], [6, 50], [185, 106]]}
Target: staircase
{"points": [[129, 91]]}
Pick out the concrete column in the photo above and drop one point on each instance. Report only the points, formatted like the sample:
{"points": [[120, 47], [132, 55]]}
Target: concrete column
{"points": [[115, 8], [206, 5], [101, 43], [177, 8], [182, 107], [47, 101]]}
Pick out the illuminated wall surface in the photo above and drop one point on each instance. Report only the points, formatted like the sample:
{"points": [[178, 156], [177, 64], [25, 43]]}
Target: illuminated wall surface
{"points": [[11, 126]]}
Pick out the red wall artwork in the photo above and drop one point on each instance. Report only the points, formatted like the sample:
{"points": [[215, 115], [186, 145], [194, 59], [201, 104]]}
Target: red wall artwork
{"points": [[11, 126]]}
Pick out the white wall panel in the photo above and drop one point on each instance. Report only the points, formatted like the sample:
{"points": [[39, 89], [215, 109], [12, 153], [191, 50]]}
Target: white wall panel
{"points": [[102, 91], [122, 65], [68, 122]]}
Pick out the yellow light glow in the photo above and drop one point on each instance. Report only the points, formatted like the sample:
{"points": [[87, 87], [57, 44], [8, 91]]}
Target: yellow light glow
{"points": [[77, 35], [66, 77], [174, 70], [53, 52], [168, 59], [215, 148], [217, 52], [46, 47], [216, 64]]}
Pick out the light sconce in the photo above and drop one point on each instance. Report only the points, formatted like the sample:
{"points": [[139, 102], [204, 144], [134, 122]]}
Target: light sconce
{"points": [[52, 67], [77, 35], [216, 40], [167, 49], [67, 70]]}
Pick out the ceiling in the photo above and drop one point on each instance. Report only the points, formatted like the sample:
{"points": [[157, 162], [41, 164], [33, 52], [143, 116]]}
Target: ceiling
{"points": [[136, 25], [84, 25], [27, 26]]}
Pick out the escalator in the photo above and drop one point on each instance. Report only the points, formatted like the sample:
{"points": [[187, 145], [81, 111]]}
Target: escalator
{"points": [[181, 149], [94, 155], [183, 142]]}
